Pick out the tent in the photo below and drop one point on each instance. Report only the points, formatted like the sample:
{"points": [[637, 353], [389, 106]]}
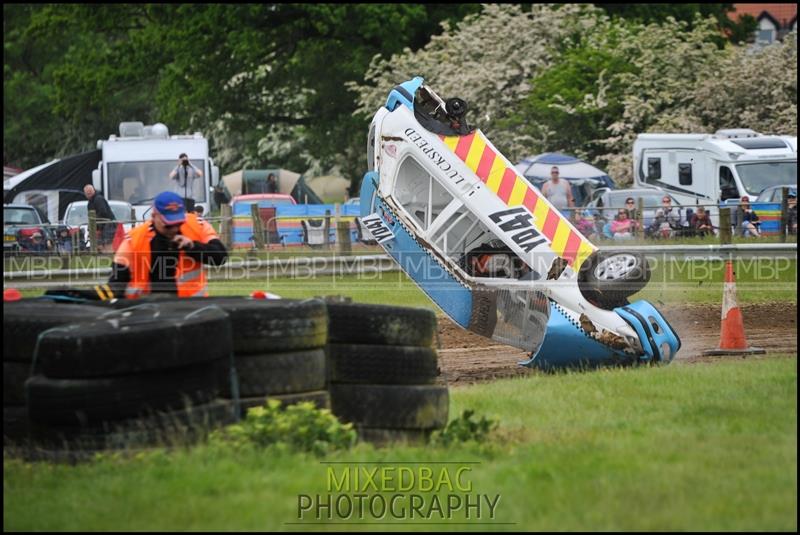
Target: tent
{"points": [[52, 186], [253, 180], [331, 188], [584, 177]]}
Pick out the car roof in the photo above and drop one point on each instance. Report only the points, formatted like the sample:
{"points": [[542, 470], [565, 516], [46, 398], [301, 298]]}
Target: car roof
{"points": [[110, 202], [263, 197], [27, 206]]}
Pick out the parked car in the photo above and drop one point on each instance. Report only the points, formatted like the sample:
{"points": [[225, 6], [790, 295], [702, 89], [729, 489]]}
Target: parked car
{"points": [[775, 193], [26, 229], [605, 202], [76, 218]]}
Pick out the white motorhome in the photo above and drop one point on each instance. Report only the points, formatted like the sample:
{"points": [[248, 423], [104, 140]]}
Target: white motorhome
{"points": [[135, 165], [709, 169]]}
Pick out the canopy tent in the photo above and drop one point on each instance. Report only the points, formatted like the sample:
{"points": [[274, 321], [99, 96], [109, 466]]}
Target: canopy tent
{"points": [[331, 188], [583, 177], [54, 184], [252, 181]]}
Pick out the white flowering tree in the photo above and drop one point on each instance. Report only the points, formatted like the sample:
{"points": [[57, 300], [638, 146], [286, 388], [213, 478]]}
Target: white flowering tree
{"points": [[568, 78], [488, 60]]}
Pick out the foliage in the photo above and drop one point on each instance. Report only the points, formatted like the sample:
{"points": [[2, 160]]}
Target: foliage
{"points": [[263, 80], [492, 74], [299, 427], [736, 31], [464, 429]]}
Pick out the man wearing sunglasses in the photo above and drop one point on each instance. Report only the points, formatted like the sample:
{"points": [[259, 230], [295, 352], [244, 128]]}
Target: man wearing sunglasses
{"points": [[166, 254]]}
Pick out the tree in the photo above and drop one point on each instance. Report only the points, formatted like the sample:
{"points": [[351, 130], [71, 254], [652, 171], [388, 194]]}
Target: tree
{"points": [[492, 74]]}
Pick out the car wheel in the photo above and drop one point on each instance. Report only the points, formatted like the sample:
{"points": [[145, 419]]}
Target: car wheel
{"points": [[608, 279]]}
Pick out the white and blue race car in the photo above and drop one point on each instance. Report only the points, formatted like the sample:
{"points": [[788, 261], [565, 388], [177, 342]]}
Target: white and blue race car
{"points": [[491, 251]]}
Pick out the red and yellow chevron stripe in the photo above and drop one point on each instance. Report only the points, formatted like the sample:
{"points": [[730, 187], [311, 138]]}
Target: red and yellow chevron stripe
{"points": [[503, 180]]}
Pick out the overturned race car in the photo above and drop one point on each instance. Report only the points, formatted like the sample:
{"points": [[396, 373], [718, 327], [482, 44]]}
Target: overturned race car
{"points": [[491, 251]]}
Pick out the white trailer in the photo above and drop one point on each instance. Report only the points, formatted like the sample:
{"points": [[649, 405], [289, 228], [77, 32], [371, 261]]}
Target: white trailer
{"points": [[710, 169], [136, 165]]}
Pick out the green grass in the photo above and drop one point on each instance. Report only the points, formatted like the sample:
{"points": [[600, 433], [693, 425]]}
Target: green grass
{"points": [[683, 447], [674, 282]]}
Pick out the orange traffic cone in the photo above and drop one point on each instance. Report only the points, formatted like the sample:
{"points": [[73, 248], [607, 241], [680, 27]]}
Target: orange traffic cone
{"points": [[732, 340]]}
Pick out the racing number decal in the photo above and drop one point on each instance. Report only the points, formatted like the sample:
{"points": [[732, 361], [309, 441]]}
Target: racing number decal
{"points": [[377, 228]]}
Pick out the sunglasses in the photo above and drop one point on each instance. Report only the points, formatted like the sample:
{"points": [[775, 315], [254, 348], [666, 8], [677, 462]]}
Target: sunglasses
{"points": [[629, 202], [666, 200]]}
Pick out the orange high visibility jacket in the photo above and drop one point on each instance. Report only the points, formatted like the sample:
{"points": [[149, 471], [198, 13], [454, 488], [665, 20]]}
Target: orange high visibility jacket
{"points": [[135, 253]]}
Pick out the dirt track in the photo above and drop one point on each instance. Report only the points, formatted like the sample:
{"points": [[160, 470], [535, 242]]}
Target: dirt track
{"points": [[465, 357]]}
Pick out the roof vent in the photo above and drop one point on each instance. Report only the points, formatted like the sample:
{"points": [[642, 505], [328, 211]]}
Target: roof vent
{"points": [[735, 133], [131, 129], [159, 130]]}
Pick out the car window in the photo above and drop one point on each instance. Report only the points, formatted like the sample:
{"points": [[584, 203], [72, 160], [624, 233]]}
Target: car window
{"points": [[23, 216]]}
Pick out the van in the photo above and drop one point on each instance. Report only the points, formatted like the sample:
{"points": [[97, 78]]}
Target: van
{"points": [[136, 165], [712, 169]]}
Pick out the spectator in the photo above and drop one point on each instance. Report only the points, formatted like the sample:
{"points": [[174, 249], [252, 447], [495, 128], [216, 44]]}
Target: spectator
{"points": [[667, 222], [272, 184], [558, 191], [584, 223], [748, 219], [701, 223], [185, 176], [166, 254], [37, 243], [106, 225], [791, 212], [623, 226], [633, 212]]}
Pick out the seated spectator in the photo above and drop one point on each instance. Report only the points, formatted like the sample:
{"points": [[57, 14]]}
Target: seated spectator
{"points": [[623, 226], [667, 222], [701, 223], [791, 213], [583, 222], [748, 219], [633, 212]]}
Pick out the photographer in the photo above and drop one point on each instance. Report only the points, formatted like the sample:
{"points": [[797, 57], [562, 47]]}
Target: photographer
{"points": [[185, 175]]}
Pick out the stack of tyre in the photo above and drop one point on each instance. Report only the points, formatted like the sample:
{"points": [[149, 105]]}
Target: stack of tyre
{"points": [[130, 378], [383, 370], [279, 350], [23, 321]]}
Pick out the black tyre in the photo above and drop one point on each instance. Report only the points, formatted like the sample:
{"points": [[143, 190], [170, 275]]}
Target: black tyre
{"points": [[14, 376], [160, 428], [24, 320], [389, 365], [136, 340], [88, 402], [381, 325], [281, 373], [391, 406], [268, 325], [390, 437], [320, 398], [607, 279], [15, 425]]}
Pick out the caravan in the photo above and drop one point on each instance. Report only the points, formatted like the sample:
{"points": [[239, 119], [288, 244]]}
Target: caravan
{"points": [[135, 166], [712, 169]]}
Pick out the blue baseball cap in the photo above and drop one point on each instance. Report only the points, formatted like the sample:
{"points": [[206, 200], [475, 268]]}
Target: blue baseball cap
{"points": [[170, 205]]}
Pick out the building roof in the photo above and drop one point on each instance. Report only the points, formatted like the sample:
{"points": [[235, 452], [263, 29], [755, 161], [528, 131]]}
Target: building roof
{"points": [[783, 14]]}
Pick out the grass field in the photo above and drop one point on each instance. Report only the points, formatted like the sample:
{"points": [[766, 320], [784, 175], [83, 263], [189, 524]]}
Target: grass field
{"points": [[708, 446]]}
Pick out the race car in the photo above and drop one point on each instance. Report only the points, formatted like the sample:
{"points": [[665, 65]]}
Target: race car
{"points": [[495, 256]]}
